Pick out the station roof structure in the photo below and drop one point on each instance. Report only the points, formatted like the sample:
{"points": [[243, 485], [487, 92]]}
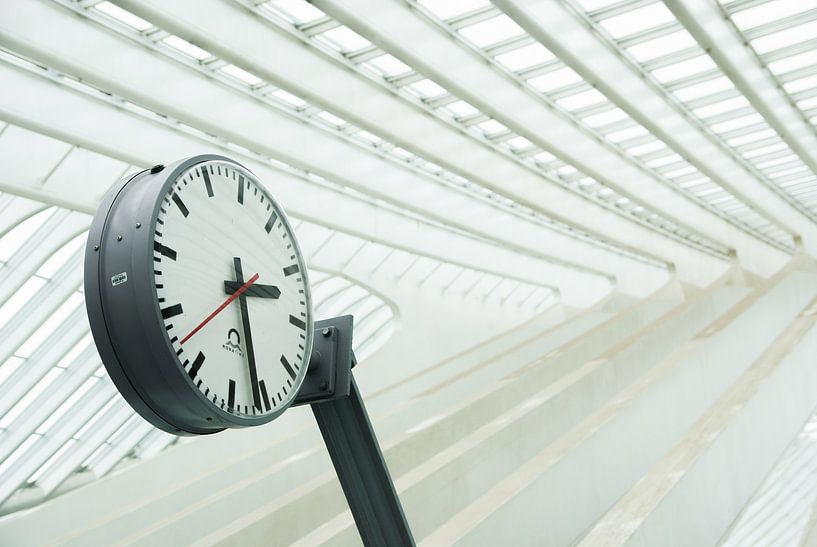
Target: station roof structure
{"points": [[527, 153]]}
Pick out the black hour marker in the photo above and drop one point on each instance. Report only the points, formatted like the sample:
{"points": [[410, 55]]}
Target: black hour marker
{"points": [[264, 395], [194, 368], [271, 222], [207, 183], [180, 204], [174, 310], [289, 270], [164, 250], [240, 188], [297, 322], [288, 367], [231, 394]]}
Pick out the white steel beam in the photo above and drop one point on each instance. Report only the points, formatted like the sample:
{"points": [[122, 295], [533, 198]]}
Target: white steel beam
{"points": [[602, 64], [470, 77], [134, 140], [358, 169], [709, 25], [327, 81]]}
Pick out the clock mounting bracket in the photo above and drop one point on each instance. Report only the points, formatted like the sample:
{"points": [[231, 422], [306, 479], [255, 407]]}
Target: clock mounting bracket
{"points": [[330, 366], [330, 388]]}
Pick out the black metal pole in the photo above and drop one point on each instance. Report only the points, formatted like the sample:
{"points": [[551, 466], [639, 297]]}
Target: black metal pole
{"points": [[362, 472]]}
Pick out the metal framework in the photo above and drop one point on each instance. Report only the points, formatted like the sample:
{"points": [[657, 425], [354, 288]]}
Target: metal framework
{"points": [[519, 153]]}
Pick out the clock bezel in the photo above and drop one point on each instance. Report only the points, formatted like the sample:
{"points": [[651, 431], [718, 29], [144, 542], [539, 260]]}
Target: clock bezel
{"points": [[135, 346]]}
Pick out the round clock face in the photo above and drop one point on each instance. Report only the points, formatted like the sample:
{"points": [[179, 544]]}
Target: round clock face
{"points": [[232, 288]]}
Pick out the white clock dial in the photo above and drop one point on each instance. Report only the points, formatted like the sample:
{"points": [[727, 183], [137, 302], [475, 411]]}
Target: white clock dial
{"points": [[232, 288]]}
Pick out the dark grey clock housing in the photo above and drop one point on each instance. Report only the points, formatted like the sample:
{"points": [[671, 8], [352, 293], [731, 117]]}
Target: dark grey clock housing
{"points": [[126, 317]]}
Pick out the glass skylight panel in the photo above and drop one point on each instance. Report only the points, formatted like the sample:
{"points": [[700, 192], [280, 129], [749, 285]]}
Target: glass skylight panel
{"points": [[743, 121], [187, 48], [555, 79], [123, 16], [593, 5], [793, 62], [331, 119], [58, 259], [518, 143], [664, 45], [763, 13], [807, 104], [637, 20], [647, 148], [703, 89], [65, 407], [388, 65], [801, 84], [766, 163], [402, 153], [241, 74], [50, 462], [15, 238], [6, 464], [8, 368], [679, 172], [605, 118], [296, 11], [344, 39], [581, 100], [566, 171], [663, 160], [786, 37], [461, 108], [369, 137], [762, 151], [21, 297], [751, 137], [426, 89], [626, 134], [684, 69], [24, 402], [83, 344], [544, 157], [492, 31], [446, 9], [720, 107], [525, 57], [289, 98], [491, 127], [50, 325]]}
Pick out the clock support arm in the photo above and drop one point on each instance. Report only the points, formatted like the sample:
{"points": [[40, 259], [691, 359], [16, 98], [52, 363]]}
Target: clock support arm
{"points": [[330, 388]]}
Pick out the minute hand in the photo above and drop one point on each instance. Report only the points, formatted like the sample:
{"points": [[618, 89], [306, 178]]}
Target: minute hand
{"points": [[245, 320]]}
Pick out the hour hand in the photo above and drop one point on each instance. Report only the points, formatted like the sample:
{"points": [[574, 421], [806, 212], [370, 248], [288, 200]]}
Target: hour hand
{"points": [[256, 289]]}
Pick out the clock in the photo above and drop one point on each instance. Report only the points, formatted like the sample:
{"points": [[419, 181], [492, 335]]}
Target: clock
{"points": [[198, 296]]}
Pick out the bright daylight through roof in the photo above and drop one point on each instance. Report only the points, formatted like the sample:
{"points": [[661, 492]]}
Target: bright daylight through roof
{"points": [[543, 270]]}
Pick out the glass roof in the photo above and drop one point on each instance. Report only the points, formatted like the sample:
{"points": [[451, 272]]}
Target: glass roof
{"points": [[662, 48], [496, 29], [510, 218], [60, 416], [561, 85]]}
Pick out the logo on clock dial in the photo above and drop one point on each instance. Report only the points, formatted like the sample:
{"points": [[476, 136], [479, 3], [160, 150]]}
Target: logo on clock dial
{"points": [[233, 343]]}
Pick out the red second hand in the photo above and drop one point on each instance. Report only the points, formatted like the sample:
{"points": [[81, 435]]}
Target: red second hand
{"points": [[226, 303]]}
